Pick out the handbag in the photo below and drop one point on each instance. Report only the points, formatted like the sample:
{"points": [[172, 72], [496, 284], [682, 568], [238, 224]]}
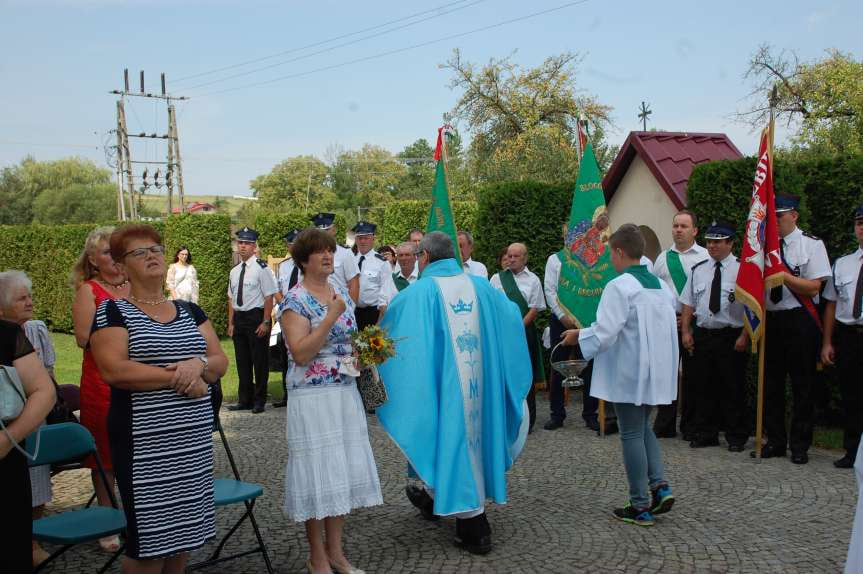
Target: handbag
{"points": [[12, 401], [371, 388]]}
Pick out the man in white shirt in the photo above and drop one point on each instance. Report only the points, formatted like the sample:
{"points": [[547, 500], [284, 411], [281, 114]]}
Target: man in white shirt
{"points": [[523, 288], [843, 339], [718, 343], [407, 264], [376, 280], [673, 266], [345, 273], [465, 247], [288, 276], [793, 335]]}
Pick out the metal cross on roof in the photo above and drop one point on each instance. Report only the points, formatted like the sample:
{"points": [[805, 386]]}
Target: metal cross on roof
{"points": [[645, 111]]}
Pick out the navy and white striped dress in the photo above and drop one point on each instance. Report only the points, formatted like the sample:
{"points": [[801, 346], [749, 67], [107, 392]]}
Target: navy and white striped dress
{"points": [[161, 442]]}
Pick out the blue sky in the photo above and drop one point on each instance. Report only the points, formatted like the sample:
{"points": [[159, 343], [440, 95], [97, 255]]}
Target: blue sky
{"points": [[60, 58]]}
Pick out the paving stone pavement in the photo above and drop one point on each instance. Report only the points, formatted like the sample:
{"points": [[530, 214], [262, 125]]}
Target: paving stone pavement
{"points": [[733, 513]]}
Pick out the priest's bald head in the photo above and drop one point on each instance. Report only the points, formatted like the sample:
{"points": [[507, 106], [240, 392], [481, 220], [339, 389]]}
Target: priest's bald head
{"points": [[433, 247]]}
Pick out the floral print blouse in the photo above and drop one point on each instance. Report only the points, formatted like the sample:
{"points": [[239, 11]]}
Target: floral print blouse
{"points": [[323, 370]]}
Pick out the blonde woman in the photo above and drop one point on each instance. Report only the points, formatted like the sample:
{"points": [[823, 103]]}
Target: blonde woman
{"points": [[182, 279], [96, 278]]}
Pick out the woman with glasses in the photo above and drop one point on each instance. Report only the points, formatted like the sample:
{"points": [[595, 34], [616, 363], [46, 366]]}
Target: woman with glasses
{"points": [[159, 356], [96, 278]]}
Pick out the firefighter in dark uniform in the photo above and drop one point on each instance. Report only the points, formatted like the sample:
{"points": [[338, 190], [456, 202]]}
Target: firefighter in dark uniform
{"points": [[843, 338], [250, 303], [718, 343], [793, 335], [288, 276]]}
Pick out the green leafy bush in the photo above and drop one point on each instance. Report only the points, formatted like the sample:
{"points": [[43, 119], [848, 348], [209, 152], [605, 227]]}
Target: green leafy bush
{"points": [[402, 216], [272, 226]]}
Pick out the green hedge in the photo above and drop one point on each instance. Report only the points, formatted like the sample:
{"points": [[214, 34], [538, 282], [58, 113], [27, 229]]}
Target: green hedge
{"points": [[402, 216], [47, 254], [272, 226]]}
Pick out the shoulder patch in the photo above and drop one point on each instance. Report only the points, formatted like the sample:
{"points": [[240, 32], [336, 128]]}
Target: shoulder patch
{"points": [[810, 236], [262, 263], [381, 257], [702, 262]]}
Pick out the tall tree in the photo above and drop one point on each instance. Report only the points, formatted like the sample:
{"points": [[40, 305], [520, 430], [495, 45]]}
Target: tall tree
{"points": [[823, 99], [21, 184], [365, 180], [418, 179], [300, 182], [76, 203], [523, 121]]}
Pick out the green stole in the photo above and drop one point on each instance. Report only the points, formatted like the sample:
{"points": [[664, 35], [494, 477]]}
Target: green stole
{"points": [[400, 281], [534, 338], [647, 279], [675, 269]]}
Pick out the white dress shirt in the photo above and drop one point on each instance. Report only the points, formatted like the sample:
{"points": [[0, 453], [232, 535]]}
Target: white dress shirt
{"points": [[842, 285], [697, 292], [806, 257], [287, 267], [633, 344], [475, 268], [552, 277], [645, 260], [410, 279], [258, 284], [529, 286], [376, 280], [688, 258], [344, 268]]}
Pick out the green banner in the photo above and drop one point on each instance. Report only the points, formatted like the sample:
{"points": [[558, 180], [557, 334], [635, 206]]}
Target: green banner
{"points": [[586, 258], [440, 215]]}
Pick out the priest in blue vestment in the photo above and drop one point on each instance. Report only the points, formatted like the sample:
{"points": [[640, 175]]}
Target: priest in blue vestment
{"points": [[457, 388]]}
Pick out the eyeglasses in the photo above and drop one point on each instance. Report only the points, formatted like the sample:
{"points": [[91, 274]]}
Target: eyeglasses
{"points": [[142, 252]]}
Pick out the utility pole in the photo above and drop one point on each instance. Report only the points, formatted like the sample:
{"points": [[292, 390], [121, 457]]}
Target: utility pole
{"points": [[124, 156]]}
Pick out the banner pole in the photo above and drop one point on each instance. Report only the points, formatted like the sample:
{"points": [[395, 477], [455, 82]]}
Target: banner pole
{"points": [[601, 418], [759, 414]]}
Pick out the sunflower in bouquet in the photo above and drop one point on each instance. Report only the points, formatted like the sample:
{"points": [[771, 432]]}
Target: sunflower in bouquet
{"points": [[373, 345]]}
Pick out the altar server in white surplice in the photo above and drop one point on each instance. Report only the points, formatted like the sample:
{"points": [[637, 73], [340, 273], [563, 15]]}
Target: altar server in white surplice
{"points": [[634, 347]]}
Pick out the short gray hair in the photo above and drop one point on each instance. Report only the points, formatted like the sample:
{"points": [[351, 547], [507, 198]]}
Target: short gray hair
{"points": [[466, 234], [438, 245], [409, 245], [9, 281]]}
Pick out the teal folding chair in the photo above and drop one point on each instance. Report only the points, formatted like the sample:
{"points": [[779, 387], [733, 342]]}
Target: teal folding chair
{"points": [[234, 491], [60, 444]]}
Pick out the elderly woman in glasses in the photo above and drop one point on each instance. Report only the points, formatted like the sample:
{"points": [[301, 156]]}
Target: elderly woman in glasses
{"points": [[159, 356]]}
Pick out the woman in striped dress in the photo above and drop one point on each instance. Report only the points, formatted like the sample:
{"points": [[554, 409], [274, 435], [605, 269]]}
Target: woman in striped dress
{"points": [[159, 357]]}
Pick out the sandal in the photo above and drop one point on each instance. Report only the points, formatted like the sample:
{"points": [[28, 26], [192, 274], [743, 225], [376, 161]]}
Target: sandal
{"points": [[39, 555], [110, 543]]}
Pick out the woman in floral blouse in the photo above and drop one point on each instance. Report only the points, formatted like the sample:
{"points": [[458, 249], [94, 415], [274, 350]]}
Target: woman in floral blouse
{"points": [[330, 469]]}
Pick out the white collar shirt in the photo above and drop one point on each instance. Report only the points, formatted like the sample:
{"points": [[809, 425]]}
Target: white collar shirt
{"points": [[376, 280], [552, 278], [805, 257], [258, 284], [688, 258], [344, 268], [475, 268], [414, 275], [286, 269], [529, 286], [842, 286], [698, 290]]}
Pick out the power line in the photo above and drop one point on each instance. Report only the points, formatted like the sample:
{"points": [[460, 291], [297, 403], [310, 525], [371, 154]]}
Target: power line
{"points": [[331, 48], [399, 50], [315, 44]]}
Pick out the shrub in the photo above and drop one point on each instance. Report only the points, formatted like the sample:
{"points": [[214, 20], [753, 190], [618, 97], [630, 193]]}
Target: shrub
{"points": [[272, 226], [402, 216]]}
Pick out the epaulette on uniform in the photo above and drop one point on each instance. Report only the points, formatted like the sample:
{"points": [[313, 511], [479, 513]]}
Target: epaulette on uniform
{"points": [[381, 257], [262, 263], [810, 236], [702, 262]]}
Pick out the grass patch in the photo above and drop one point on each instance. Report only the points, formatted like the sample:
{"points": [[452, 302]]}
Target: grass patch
{"points": [[68, 366], [827, 437]]}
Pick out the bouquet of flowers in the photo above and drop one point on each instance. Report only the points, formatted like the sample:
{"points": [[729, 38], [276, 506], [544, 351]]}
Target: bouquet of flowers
{"points": [[373, 345]]}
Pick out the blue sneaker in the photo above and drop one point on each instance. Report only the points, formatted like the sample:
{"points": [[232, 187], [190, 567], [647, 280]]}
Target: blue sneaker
{"points": [[662, 500], [632, 515]]}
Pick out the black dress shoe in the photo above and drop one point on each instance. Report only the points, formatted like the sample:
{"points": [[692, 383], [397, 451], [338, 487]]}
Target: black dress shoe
{"points": [[592, 425], [735, 448], [689, 436], [239, 408], [664, 433], [258, 409], [772, 451], [703, 443], [611, 428], [421, 499], [844, 462], [280, 404], [553, 424], [473, 534], [799, 457]]}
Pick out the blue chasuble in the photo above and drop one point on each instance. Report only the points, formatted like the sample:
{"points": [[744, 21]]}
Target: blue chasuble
{"points": [[457, 385]]}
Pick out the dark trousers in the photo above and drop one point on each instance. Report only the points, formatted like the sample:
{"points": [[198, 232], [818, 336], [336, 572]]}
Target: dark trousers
{"points": [[666, 415], [366, 316], [253, 355], [792, 345], [555, 390], [719, 384], [848, 342]]}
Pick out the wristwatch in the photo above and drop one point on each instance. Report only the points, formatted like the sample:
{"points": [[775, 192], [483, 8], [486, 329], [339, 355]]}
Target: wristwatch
{"points": [[206, 361]]}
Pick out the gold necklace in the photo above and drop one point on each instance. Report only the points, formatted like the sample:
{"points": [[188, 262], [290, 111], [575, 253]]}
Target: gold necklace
{"points": [[151, 302], [114, 285]]}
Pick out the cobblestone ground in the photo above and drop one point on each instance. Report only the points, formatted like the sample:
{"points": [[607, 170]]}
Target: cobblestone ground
{"points": [[733, 514]]}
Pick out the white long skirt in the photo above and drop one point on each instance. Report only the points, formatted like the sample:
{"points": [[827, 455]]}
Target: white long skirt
{"points": [[854, 564], [331, 469]]}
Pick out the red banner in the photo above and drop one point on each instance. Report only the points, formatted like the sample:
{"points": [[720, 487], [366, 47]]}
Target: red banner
{"points": [[761, 263]]}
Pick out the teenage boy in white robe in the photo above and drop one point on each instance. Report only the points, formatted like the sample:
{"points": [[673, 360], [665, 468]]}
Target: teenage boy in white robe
{"points": [[634, 347]]}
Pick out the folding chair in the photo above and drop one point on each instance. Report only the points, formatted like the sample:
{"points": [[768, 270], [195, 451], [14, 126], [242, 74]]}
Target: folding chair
{"points": [[63, 443], [232, 491]]}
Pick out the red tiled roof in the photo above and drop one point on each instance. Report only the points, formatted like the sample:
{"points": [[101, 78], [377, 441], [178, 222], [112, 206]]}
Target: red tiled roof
{"points": [[670, 156], [193, 207]]}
